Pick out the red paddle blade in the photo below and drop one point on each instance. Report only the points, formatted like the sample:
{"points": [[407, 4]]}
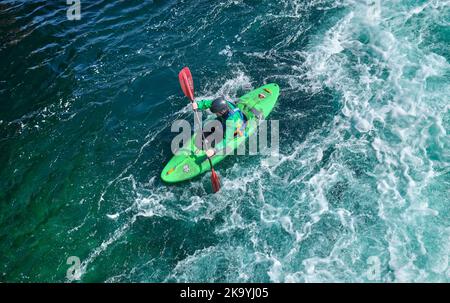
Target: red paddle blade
{"points": [[215, 181], [186, 82]]}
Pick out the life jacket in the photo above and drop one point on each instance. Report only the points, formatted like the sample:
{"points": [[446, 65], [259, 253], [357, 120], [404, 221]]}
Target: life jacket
{"points": [[234, 109]]}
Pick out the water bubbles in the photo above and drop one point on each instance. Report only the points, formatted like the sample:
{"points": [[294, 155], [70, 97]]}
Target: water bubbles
{"points": [[226, 51]]}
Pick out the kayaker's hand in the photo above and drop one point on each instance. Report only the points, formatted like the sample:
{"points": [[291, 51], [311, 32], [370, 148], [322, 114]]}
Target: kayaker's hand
{"points": [[194, 105], [210, 153]]}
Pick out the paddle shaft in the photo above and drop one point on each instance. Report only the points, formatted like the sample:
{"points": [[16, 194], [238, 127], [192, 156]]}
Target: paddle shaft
{"points": [[190, 95], [187, 85]]}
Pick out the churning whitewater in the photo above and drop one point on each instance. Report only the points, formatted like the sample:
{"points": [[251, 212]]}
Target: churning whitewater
{"points": [[359, 192]]}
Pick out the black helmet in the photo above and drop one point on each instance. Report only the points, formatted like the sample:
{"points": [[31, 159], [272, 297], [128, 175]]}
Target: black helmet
{"points": [[219, 104]]}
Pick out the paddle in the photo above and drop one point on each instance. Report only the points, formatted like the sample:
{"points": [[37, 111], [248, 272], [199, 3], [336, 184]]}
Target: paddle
{"points": [[187, 85]]}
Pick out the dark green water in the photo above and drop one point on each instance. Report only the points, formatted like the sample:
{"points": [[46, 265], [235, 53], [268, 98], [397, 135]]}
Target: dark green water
{"points": [[360, 192]]}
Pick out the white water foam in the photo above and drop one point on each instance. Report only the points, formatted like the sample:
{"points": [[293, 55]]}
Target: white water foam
{"points": [[387, 116], [404, 107]]}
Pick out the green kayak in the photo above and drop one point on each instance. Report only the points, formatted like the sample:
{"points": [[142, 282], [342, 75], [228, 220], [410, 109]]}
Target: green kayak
{"points": [[191, 161]]}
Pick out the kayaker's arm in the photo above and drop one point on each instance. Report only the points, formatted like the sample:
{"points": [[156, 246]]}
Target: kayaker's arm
{"points": [[204, 104]]}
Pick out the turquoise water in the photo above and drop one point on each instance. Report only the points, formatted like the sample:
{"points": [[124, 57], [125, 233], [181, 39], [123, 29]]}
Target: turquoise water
{"points": [[360, 190]]}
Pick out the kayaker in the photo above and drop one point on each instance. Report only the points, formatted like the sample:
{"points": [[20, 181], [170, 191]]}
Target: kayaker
{"points": [[229, 115]]}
